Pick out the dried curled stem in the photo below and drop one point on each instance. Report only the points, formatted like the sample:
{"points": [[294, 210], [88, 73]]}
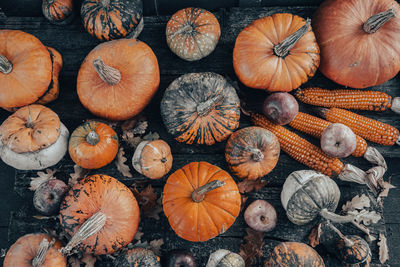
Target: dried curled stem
{"points": [[42, 251], [5, 65], [205, 107], [282, 49], [199, 194], [375, 22], [108, 74]]}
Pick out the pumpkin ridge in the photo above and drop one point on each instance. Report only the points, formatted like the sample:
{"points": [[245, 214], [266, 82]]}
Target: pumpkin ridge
{"points": [[220, 208], [209, 217]]}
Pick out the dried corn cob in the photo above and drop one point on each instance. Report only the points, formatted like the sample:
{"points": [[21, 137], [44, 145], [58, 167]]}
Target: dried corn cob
{"points": [[299, 148], [367, 128], [315, 126], [349, 99]]}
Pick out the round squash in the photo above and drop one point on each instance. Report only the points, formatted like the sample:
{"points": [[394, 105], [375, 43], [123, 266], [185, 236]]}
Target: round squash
{"points": [[104, 195], [137, 257], [33, 138], [225, 258], [193, 33], [93, 145], [294, 254], [354, 251], [58, 12], [252, 152], [359, 41], [26, 248], [200, 108], [200, 201], [112, 19], [153, 159], [276, 53], [117, 79]]}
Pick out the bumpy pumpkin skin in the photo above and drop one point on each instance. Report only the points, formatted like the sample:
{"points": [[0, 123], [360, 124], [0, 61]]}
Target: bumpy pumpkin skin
{"points": [[349, 55], [31, 69], [200, 221], [59, 12], [294, 254], [252, 152], [108, 195], [93, 156], [201, 108], [138, 257], [256, 64], [193, 33], [22, 252], [112, 19], [305, 193], [140, 77], [359, 253]]}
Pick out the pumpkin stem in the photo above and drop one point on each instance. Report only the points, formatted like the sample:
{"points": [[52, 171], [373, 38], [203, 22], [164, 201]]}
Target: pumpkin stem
{"points": [[42, 251], [105, 2], [199, 194], [108, 74], [29, 123], [347, 241], [205, 107], [92, 138], [257, 155], [94, 224], [330, 216], [375, 22], [282, 49], [5, 65], [375, 157]]}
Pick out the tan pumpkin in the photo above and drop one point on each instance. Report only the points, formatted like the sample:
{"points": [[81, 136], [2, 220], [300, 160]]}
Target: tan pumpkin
{"points": [[252, 152], [33, 138], [153, 159], [93, 145], [200, 201], [117, 79], [25, 251]]}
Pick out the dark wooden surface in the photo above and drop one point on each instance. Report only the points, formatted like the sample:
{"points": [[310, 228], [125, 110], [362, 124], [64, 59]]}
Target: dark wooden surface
{"points": [[74, 44]]}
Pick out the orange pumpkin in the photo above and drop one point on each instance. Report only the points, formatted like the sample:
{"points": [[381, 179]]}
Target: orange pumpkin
{"points": [[106, 196], [294, 254], [26, 248], [118, 79], [252, 152], [200, 201], [276, 53], [152, 159], [359, 41], [193, 33], [59, 12], [93, 145]]}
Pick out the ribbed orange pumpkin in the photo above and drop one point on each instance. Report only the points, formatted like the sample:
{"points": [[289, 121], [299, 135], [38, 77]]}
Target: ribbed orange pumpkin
{"points": [[294, 254], [25, 249], [252, 152], [276, 53], [59, 12], [118, 79], [93, 145], [359, 41], [105, 195], [200, 201]]}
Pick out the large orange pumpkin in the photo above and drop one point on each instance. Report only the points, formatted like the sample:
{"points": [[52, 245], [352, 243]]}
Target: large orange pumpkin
{"points": [[276, 53], [118, 79], [93, 145], [200, 201], [104, 195], [359, 41], [25, 250]]}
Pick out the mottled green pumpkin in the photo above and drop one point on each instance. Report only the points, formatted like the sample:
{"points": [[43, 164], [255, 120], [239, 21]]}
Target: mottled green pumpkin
{"points": [[354, 253]]}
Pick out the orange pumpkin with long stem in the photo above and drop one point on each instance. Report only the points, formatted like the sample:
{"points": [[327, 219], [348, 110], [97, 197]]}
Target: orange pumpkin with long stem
{"points": [[200, 201], [93, 145]]}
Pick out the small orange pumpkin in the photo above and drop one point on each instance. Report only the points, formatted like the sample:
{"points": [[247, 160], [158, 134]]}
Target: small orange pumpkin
{"points": [[113, 201], [118, 79], [26, 248], [152, 159], [59, 12], [200, 201], [294, 254], [93, 145], [252, 152], [276, 53]]}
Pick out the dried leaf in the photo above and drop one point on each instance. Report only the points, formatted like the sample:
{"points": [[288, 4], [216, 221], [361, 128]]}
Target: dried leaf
{"points": [[247, 186], [74, 262], [243, 200], [383, 249], [366, 217], [357, 203], [133, 141], [140, 127], [89, 260], [78, 174], [146, 198], [151, 136], [315, 235], [386, 187], [3, 252], [42, 177], [121, 165], [155, 246], [252, 249], [139, 234]]}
